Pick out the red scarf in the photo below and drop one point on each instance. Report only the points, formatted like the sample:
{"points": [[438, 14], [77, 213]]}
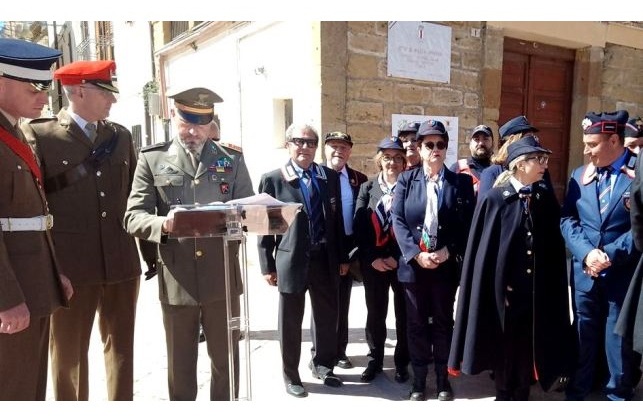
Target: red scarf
{"points": [[23, 151]]}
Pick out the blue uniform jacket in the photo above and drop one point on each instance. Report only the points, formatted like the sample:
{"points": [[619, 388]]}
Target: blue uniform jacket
{"points": [[584, 230], [455, 210]]}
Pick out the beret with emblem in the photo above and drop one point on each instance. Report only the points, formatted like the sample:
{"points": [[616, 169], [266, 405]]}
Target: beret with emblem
{"points": [[516, 125], [634, 127], [411, 127], [430, 127], [27, 62], [393, 143], [605, 122], [195, 105], [99, 73]]}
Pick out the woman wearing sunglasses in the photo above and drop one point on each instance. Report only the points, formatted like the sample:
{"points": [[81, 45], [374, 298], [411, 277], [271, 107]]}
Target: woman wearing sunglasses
{"points": [[379, 254], [431, 212], [513, 314]]}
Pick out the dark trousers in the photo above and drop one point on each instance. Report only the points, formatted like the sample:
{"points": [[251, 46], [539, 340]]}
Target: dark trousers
{"points": [[71, 331], [345, 288], [323, 299], [23, 362], [514, 365], [376, 292], [596, 316], [431, 295], [181, 324]]}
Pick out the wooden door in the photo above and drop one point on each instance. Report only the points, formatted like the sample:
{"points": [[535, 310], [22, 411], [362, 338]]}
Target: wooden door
{"points": [[537, 82]]}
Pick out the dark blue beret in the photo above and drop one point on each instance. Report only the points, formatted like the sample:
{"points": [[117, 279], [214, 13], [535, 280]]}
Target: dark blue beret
{"points": [[634, 127], [516, 125], [526, 145], [390, 143], [605, 122], [429, 127], [411, 127]]}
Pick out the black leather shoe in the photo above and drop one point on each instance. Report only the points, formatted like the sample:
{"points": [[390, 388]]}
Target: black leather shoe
{"points": [[296, 390], [344, 362], [445, 393], [401, 374], [331, 380], [370, 372], [417, 392]]}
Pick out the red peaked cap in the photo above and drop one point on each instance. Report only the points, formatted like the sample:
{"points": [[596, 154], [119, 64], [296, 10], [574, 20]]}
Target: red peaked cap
{"points": [[99, 73]]}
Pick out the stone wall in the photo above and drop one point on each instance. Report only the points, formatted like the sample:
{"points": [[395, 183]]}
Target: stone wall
{"points": [[622, 79], [369, 96]]}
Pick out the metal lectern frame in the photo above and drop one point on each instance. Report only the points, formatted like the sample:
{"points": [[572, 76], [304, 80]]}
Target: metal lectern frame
{"points": [[264, 219]]}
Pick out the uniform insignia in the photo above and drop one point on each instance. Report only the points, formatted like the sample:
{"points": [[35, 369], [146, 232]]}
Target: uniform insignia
{"points": [[225, 187], [586, 123], [353, 182], [288, 172], [319, 172], [223, 165], [506, 193], [232, 146], [589, 175], [626, 200]]}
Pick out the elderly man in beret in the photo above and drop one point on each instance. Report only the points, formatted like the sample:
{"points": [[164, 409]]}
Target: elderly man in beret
{"points": [[190, 169], [597, 230], [88, 165], [31, 286]]}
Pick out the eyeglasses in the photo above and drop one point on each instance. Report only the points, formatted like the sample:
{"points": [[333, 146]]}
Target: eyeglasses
{"points": [[542, 160], [299, 142], [338, 135], [441, 145], [389, 159]]}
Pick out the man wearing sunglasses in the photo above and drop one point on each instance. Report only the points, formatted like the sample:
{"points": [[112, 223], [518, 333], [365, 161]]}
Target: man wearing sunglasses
{"points": [[88, 165], [337, 148], [309, 257]]}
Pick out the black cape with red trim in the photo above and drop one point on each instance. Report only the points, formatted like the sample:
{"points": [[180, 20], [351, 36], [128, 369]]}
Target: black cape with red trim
{"points": [[480, 312]]}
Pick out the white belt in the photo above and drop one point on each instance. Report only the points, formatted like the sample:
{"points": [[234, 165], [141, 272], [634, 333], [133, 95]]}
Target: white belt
{"points": [[21, 224]]}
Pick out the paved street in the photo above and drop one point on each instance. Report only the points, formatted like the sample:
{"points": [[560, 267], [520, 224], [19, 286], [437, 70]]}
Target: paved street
{"points": [[267, 384]]}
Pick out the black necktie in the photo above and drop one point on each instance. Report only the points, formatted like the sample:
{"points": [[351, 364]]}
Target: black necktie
{"points": [[525, 197], [316, 215]]}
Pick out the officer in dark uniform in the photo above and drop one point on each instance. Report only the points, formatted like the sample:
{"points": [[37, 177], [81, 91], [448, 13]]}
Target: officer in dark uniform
{"points": [[597, 230], [88, 164], [187, 170], [634, 134], [31, 285], [407, 134], [481, 147]]}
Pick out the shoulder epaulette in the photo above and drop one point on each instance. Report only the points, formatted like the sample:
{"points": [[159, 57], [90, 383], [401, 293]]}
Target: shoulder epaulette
{"points": [[154, 146], [234, 147]]}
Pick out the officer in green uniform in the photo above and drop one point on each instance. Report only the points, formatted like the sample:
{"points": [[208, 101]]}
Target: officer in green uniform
{"points": [[187, 170]]}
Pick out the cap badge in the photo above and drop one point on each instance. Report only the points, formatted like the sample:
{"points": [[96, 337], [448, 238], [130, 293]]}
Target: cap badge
{"points": [[203, 97], [586, 123]]}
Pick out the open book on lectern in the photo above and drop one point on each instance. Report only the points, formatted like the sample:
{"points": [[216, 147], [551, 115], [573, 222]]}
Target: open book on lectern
{"points": [[261, 214]]}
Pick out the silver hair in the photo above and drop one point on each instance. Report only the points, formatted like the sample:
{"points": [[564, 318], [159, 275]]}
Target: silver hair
{"points": [[300, 127]]}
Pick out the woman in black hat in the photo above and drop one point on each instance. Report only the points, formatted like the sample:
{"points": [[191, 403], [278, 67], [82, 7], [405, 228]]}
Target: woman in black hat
{"points": [[378, 259], [431, 210], [513, 314]]}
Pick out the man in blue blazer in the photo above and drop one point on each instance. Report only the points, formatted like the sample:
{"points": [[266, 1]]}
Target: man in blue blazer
{"points": [[309, 257], [596, 226]]}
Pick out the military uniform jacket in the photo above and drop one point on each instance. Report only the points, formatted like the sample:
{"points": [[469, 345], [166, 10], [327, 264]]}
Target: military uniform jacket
{"points": [[28, 271], [454, 217], [504, 251], [288, 254], [191, 271], [584, 230], [91, 241]]}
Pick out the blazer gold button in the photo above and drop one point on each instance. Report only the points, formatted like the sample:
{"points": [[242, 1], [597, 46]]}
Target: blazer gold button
{"points": [[65, 162], [196, 182], [199, 253], [102, 194], [19, 167], [104, 214], [98, 173], [529, 271]]}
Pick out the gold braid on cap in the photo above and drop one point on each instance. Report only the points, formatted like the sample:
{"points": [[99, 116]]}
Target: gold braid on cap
{"points": [[192, 110]]}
